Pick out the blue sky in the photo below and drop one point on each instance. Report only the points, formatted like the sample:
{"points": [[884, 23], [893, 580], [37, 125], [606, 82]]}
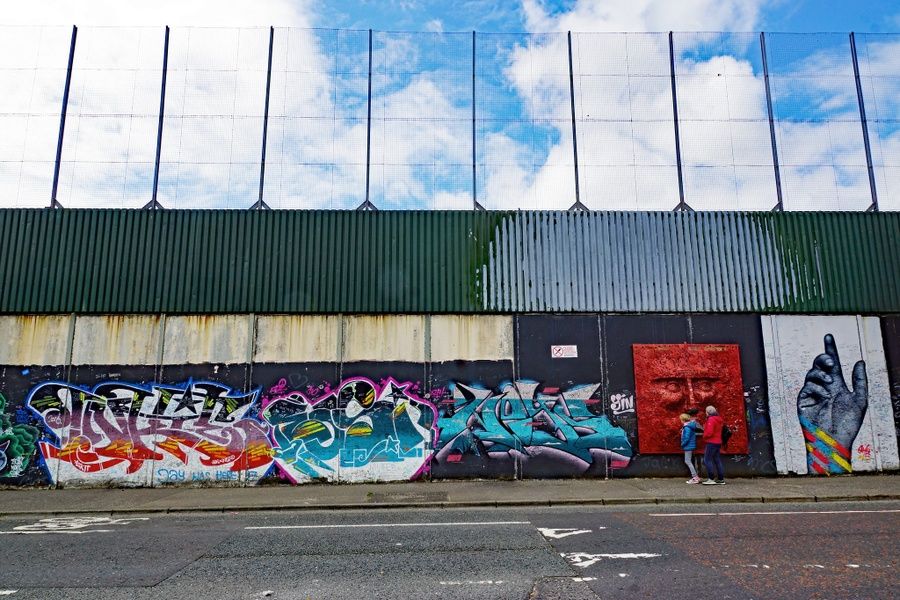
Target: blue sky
{"points": [[874, 16]]}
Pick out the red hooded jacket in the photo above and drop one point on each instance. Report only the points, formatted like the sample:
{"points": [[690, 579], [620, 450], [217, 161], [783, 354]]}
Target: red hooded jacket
{"points": [[712, 429]]}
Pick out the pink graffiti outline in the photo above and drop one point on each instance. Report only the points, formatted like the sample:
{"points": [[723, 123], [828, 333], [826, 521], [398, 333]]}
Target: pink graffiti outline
{"points": [[294, 395]]}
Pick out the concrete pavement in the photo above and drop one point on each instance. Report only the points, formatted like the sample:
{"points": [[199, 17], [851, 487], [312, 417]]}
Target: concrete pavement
{"points": [[446, 494]]}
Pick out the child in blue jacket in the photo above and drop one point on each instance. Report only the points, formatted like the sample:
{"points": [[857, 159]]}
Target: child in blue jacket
{"points": [[689, 430]]}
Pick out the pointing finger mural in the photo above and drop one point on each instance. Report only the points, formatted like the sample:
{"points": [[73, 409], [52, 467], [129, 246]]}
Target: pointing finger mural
{"points": [[831, 413], [822, 422]]}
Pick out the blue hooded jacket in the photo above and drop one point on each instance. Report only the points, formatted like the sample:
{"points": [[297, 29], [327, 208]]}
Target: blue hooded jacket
{"points": [[689, 435]]}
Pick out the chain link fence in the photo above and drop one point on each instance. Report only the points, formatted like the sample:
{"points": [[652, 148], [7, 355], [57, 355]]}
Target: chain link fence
{"points": [[347, 119]]}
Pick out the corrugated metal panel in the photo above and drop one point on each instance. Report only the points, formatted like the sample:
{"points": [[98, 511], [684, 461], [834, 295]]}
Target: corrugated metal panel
{"points": [[112, 261]]}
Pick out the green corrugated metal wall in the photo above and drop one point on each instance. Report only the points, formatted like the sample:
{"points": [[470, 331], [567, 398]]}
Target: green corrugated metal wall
{"points": [[218, 261]]}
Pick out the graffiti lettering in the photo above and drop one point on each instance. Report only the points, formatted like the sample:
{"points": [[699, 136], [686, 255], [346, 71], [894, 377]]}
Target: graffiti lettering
{"points": [[542, 429], [621, 403], [118, 427], [17, 444], [864, 452], [362, 431]]}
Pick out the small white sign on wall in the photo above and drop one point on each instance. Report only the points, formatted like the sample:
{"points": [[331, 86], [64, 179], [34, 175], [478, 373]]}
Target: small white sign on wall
{"points": [[564, 351]]}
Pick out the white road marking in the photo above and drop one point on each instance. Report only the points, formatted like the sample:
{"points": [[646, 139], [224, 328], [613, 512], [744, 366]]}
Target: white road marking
{"points": [[470, 582], [7, 592], [623, 574], [75, 525], [55, 532], [361, 525], [561, 533], [583, 559], [584, 579], [781, 512]]}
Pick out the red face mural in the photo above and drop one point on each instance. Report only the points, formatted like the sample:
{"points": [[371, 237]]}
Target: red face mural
{"points": [[671, 379]]}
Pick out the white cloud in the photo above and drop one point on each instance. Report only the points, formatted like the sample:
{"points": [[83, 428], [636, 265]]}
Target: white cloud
{"points": [[434, 26], [200, 13]]}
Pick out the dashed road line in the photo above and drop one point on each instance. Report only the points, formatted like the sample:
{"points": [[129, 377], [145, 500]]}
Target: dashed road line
{"points": [[370, 525]]}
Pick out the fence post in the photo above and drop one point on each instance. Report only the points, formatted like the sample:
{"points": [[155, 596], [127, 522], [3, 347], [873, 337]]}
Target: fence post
{"points": [[865, 126], [475, 204], [54, 203], [765, 64], [682, 205], [367, 205], [578, 205], [260, 203], [154, 203]]}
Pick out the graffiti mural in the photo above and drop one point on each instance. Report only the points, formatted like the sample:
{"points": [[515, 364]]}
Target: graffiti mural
{"points": [[361, 431], [829, 396], [144, 435], [542, 429], [671, 379], [17, 444]]}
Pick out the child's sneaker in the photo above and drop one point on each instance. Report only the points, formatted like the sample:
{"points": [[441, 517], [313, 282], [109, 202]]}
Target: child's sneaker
{"points": [[693, 480], [708, 482]]}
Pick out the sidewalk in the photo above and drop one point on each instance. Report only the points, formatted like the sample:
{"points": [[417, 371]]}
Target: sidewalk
{"points": [[447, 493]]}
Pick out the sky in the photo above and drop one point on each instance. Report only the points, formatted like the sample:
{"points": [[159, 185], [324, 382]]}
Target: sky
{"points": [[421, 136]]}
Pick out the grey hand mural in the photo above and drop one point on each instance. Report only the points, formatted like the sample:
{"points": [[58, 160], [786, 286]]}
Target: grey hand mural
{"points": [[830, 412]]}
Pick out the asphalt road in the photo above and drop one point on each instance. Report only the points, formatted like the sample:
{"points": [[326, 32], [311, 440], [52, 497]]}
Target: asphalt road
{"points": [[825, 550]]}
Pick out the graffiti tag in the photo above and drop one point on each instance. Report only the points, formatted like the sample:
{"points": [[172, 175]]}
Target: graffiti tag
{"points": [[122, 426], [522, 423], [361, 431]]}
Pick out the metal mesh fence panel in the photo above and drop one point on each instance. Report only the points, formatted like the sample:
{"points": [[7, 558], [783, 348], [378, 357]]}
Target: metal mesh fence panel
{"points": [[110, 142], [624, 116], [421, 120], [316, 149], [820, 143], [723, 119], [524, 154], [32, 77], [212, 132], [879, 66]]}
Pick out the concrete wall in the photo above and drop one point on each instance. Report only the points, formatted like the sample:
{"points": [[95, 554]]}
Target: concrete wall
{"points": [[155, 400]]}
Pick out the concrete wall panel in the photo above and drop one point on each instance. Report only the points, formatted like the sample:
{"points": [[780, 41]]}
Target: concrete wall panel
{"points": [[207, 339], [384, 338], [297, 338], [34, 339], [116, 339], [466, 337]]}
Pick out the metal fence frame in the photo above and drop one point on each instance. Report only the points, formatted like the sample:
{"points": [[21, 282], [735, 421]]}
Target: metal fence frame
{"points": [[683, 204]]}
